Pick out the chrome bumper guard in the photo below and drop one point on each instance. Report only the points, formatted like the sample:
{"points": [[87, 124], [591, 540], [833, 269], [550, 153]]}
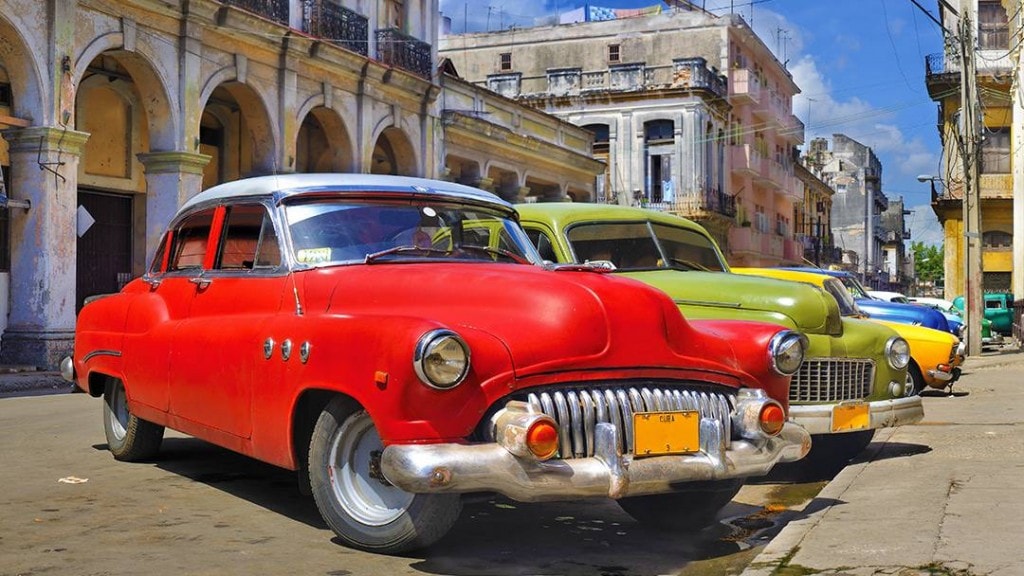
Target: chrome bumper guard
{"points": [[817, 418], [462, 468]]}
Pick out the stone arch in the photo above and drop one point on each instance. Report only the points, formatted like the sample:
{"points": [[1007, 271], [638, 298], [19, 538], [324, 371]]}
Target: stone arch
{"points": [[323, 142], [543, 189], [236, 132], [393, 153], [23, 66], [150, 84]]}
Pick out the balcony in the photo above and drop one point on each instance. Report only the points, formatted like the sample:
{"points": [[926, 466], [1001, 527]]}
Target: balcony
{"points": [[694, 73], [336, 24], [745, 86], [273, 10], [941, 75], [745, 160], [792, 128], [404, 52]]}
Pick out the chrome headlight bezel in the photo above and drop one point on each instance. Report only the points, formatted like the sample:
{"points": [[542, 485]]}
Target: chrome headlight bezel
{"points": [[783, 357], [897, 352], [432, 368]]}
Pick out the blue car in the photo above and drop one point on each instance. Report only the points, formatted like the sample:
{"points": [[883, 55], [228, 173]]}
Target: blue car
{"points": [[892, 311]]}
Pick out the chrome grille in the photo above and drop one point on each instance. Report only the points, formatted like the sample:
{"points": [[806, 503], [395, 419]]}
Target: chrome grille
{"points": [[578, 412], [832, 380]]}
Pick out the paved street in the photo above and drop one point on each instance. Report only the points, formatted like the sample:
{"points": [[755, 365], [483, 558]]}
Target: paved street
{"points": [[69, 508], [927, 495]]}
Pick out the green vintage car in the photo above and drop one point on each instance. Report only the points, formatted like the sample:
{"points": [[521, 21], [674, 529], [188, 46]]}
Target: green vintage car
{"points": [[853, 376]]}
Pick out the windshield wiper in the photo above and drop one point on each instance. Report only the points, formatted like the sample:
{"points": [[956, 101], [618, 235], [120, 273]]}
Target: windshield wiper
{"points": [[371, 258], [685, 265], [497, 252]]}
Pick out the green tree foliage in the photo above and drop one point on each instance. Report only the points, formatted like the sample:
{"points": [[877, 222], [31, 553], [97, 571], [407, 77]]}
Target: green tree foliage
{"points": [[928, 261]]}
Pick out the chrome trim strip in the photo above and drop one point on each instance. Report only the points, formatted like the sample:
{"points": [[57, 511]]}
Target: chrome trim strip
{"points": [[94, 353]]}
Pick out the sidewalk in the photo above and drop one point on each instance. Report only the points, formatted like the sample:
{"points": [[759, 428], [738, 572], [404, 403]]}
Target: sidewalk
{"points": [[940, 498], [27, 381]]}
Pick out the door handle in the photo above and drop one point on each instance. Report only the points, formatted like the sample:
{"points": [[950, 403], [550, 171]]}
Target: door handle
{"points": [[200, 282]]}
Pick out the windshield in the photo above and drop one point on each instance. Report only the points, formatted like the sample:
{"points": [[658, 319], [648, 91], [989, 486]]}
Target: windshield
{"points": [[847, 305], [854, 287], [338, 231], [644, 246]]}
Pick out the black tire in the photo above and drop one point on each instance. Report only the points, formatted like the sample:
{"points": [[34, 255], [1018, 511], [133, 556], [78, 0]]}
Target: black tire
{"points": [[363, 510], [690, 510], [915, 380], [129, 438]]}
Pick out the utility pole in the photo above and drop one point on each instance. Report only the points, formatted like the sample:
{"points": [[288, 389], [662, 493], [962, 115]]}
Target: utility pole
{"points": [[969, 140]]}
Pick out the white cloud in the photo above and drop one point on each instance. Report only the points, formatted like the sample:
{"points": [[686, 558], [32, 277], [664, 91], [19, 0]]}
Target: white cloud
{"points": [[924, 226]]}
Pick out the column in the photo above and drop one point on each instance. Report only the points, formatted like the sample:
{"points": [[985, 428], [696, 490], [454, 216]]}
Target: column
{"points": [[171, 179], [44, 171]]}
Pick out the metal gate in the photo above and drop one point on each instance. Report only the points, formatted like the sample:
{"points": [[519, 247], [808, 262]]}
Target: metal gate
{"points": [[105, 247]]}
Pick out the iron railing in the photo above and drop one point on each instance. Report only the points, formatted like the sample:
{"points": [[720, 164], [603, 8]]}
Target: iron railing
{"points": [[276, 10], [336, 24], [403, 51]]}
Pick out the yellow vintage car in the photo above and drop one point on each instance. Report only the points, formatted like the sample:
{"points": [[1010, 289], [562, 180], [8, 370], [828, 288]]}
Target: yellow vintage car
{"points": [[935, 355]]}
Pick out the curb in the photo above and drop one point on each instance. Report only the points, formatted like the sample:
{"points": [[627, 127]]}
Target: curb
{"points": [[781, 548]]}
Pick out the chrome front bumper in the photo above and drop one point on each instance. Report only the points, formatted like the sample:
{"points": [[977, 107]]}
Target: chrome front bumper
{"points": [[817, 418], [461, 468]]}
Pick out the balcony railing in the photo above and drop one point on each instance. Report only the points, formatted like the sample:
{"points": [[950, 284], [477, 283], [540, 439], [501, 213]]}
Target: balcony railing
{"points": [[336, 24], [276, 10], [403, 51], [698, 205]]}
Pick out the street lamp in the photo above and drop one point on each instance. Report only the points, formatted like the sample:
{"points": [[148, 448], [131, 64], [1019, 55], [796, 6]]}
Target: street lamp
{"points": [[932, 180]]}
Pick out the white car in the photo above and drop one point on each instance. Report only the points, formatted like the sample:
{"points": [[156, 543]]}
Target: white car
{"points": [[888, 296], [939, 303]]}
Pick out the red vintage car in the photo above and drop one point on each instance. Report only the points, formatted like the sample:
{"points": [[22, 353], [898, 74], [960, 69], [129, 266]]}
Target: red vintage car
{"points": [[398, 342]]}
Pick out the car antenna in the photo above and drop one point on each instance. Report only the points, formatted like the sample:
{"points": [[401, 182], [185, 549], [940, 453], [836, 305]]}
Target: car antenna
{"points": [[295, 292]]}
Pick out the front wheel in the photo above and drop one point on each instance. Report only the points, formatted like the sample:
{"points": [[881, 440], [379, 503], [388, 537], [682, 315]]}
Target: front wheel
{"points": [[915, 380], [356, 501], [690, 510], [129, 438]]}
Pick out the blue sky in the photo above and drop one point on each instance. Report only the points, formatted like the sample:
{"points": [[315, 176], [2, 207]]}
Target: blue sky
{"points": [[859, 65]]}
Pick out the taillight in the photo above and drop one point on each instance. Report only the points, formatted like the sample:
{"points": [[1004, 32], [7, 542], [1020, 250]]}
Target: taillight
{"points": [[542, 439], [772, 418]]}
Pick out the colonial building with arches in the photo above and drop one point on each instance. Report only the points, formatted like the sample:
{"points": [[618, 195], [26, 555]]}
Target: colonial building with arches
{"points": [[114, 113]]}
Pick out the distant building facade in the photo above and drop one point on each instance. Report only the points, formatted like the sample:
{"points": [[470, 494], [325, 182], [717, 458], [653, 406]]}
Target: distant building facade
{"points": [[896, 263], [690, 111], [857, 206]]}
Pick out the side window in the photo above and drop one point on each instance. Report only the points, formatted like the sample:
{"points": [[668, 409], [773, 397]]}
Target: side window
{"points": [[268, 251], [240, 239], [160, 258], [190, 239], [543, 244]]}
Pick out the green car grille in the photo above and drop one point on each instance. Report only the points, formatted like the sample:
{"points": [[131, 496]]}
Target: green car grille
{"points": [[832, 380]]}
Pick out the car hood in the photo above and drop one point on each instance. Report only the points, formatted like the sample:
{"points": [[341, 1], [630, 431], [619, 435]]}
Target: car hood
{"points": [[805, 305], [906, 313], [548, 321]]}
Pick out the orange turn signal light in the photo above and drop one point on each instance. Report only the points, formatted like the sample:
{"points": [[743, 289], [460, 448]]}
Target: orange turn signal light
{"points": [[772, 419], [542, 439]]}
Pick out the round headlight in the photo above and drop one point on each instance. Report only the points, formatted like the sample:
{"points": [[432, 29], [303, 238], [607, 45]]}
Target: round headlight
{"points": [[441, 359], [787, 352], [897, 352]]}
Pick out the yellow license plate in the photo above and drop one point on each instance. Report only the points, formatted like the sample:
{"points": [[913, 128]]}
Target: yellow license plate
{"points": [[657, 433], [850, 417]]}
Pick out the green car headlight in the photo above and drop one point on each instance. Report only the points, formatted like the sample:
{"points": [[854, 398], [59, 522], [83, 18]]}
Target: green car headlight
{"points": [[441, 359], [897, 352], [786, 351]]}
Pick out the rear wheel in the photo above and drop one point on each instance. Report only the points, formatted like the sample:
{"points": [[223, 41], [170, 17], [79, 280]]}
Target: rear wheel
{"points": [[356, 501], [690, 510], [129, 437]]}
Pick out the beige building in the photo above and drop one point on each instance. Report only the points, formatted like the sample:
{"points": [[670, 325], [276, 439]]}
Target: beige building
{"points": [[813, 218], [114, 113], [691, 112], [1000, 168]]}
